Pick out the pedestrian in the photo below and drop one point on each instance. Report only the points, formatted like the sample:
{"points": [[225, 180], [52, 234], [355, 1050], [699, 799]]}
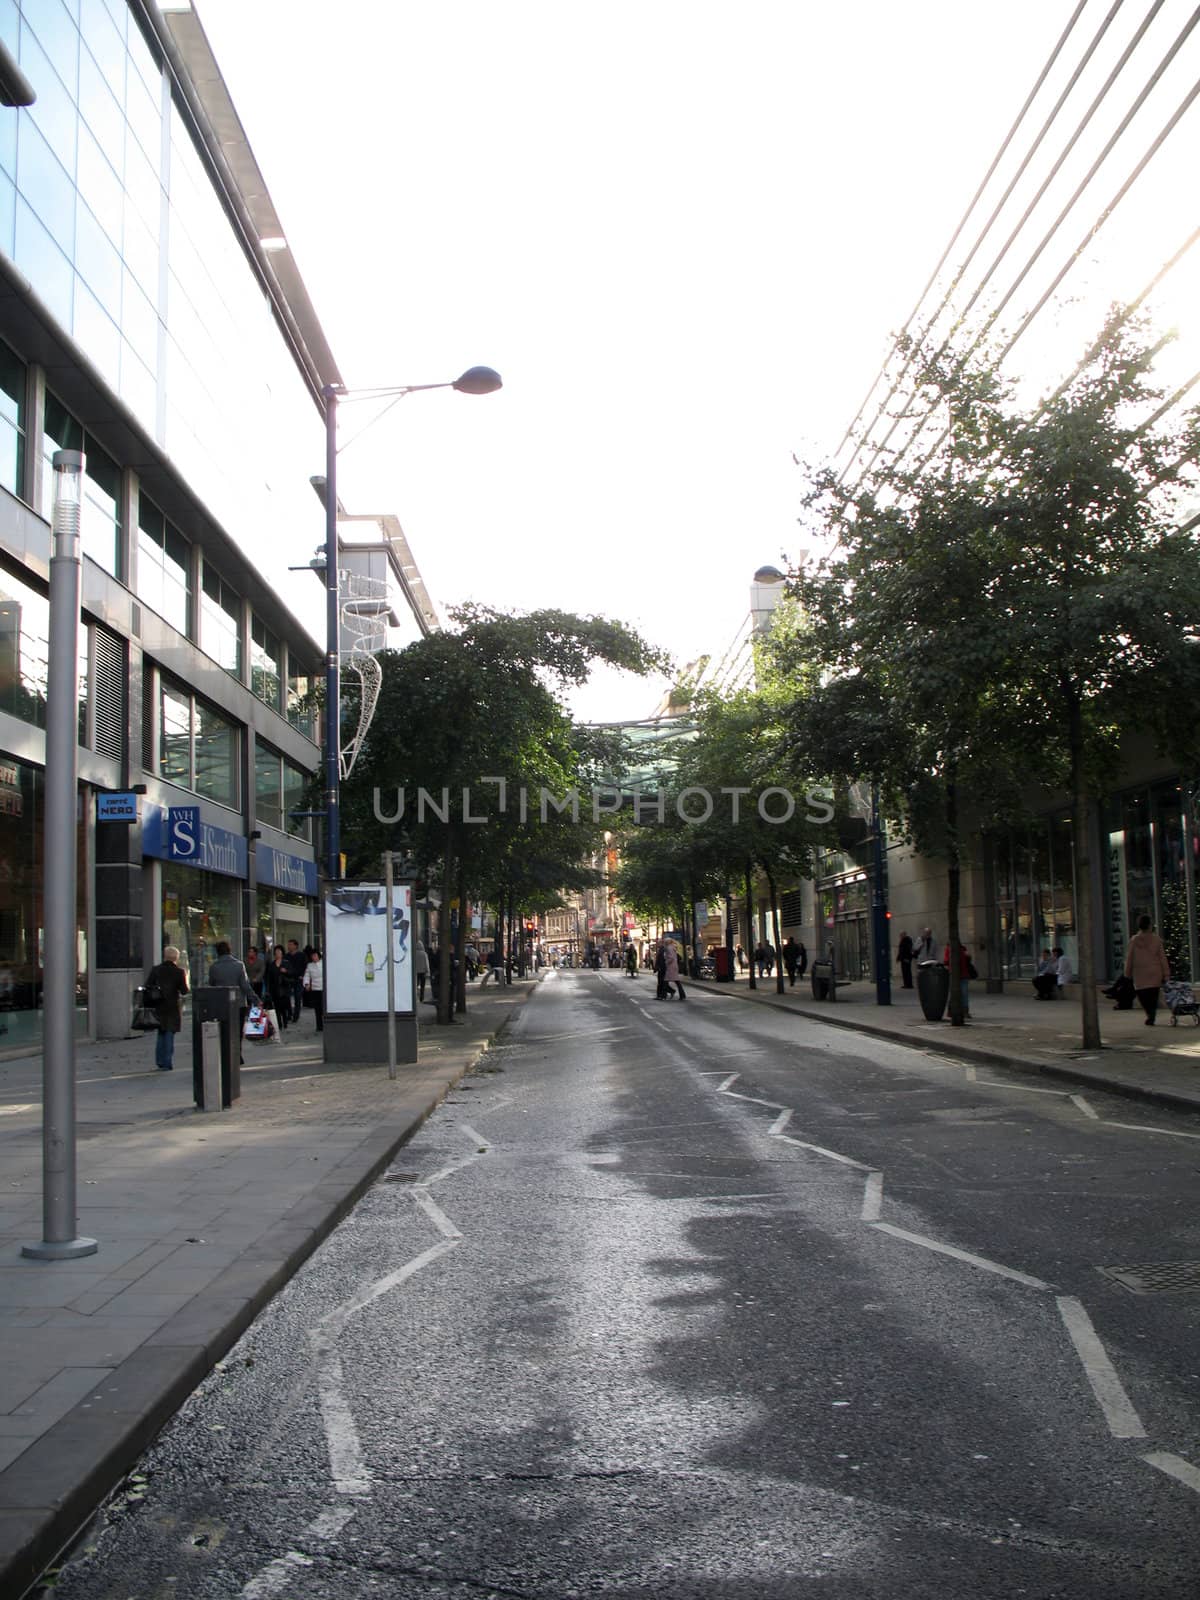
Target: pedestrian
{"points": [[314, 986], [495, 968], [421, 967], [170, 980], [741, 959], [1045, 978], [631, 961], [277, 987], [904, 955], [255, 969], [926, 948], [227, 972], [471, 957], [661, 992], [965, 969], [802, 960], [671, 970], [1147, 966], [760, 958], [791, 955], [295, 961]]}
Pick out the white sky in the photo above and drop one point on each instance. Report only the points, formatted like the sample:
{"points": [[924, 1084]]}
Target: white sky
{"points": [[682, 230]]}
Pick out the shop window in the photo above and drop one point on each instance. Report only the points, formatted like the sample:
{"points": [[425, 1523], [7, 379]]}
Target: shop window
{"points": [[24, 650], [164, 561], [1139, 857], [295, 795], [265, 657], [221, 621]]}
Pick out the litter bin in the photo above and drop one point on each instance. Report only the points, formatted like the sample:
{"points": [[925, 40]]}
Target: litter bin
{"points": [[824, 985], [721, 968], [214, 1003], [933, 989]]}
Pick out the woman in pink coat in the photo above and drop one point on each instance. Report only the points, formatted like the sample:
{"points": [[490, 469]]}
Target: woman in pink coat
{"points": [[672, 972], [1146, 964]]}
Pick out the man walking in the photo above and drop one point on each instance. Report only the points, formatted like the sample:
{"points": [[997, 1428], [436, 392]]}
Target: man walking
{"points": [[295, 963], [791, 955], [904, 955], [495, 968], [227, 972]]}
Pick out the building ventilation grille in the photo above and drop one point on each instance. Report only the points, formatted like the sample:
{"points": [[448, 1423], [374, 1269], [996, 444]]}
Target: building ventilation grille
{"points": [[108, 694], [791, 912]]}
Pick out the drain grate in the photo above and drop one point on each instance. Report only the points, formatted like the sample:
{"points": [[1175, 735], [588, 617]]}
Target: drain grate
{"points": [[1157, 1277], [400, 1177]]}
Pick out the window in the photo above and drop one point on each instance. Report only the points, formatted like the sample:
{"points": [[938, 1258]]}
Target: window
{"points": [[100, 523], [197, 746], [24, 650], [301, 703], [280, 789], [264, 663], [221, 622], [12, 422], [164, 559]]}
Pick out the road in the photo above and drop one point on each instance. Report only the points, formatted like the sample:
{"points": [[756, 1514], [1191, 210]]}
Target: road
{"points": [[708, 1302]]}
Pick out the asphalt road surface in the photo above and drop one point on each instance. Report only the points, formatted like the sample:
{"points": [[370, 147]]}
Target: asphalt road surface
{"points": [[708, 1302]]}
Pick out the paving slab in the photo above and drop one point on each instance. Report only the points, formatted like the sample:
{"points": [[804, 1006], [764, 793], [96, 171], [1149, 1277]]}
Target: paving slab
{"points": [[201, 1218]]}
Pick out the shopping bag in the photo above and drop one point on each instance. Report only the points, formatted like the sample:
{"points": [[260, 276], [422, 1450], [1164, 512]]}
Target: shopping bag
{"points": [[144, 1019], [256, 1024], [272, 1025]]}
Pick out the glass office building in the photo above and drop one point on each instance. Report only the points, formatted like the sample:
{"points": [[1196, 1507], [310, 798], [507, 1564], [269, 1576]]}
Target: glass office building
{"points": [[145, 323]]}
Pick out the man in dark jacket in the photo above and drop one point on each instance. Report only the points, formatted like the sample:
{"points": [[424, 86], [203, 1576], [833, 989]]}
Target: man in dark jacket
{"points": [[296, 961], [171, 982], [227, 972]]}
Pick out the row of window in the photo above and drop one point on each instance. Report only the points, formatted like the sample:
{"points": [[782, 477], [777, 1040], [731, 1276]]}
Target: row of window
{"points": [[164, 556]]}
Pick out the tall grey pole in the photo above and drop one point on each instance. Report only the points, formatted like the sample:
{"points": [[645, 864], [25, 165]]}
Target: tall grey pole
{"points": [[879, 905], [333, 646], [59, 1240], [388, 898]]}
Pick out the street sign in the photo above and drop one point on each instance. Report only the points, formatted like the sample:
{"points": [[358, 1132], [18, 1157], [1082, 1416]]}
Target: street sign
{"points": [[116, 808]]}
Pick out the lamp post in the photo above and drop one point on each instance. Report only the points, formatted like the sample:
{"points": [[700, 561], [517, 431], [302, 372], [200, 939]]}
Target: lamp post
{"points": [[59, 1240], [476, 380]]}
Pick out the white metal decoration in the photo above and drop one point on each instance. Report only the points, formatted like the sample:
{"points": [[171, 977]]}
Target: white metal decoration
{"points": [[364, 606]]}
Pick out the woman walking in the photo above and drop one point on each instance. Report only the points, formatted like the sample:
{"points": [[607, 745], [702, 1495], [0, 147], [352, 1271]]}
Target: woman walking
{"points": [[314, 986], [277, 987], [671, 971], [172, 984], [1146, 964]]}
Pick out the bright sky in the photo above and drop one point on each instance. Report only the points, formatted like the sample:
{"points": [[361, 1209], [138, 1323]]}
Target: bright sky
{"points": [[682, 231]]}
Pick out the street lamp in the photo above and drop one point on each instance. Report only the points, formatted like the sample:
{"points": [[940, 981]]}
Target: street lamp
{"points": [[476, 380], [59, 1240]]}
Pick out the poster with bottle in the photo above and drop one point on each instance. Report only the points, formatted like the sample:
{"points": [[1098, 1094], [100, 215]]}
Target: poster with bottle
{"points": [[357, 948]]}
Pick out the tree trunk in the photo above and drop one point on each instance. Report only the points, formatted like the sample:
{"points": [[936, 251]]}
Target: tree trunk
{"points": [[1082, 807], [775, 939], [460, 947], [750, 923], [730, 941], [445, 1005], [954, 885]]}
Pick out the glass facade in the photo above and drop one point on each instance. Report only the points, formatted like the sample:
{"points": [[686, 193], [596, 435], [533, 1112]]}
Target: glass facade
{"points": [[279, 789], [12, 422], [100, 522], [1035, 896], [1151, 869], [220, 621], [266, 659], [301, 703], [164, 567], [197, 745]]}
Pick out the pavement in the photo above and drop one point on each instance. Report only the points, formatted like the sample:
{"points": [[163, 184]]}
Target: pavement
{"points": [[203, 1216]]}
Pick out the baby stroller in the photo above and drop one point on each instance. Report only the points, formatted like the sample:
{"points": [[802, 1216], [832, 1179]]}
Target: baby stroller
{"points": [[1181, 1002]]}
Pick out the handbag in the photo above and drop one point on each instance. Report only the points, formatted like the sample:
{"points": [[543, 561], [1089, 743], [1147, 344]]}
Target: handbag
{"points": [[972, 969], [145, 1019]]}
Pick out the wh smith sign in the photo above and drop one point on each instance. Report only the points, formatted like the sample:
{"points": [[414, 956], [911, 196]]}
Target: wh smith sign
{"points": [[179, 833]]}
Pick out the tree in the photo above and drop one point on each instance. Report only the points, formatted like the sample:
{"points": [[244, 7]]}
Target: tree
{"points": [[994, 615], [474, 718]]}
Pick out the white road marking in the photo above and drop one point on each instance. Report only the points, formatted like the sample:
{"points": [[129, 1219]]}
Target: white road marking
{"points": [[436, 1215], [732, 1078], [1088, 1110], [780, 1123], [970, 1073], [390, 1281], [752, 1099], [1137, 1127], [1022, 1088], [872, 1197], [960, 1255], [1123, 1421], [350, 1474], [1175, 1467], [14, 1111], [277, 1574], [820, 1150], [476, 1139], [659, 1024], [578, 1033]]}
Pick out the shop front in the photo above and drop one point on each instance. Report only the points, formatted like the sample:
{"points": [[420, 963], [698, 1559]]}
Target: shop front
{"points": [[1151, 861], [287, 889], [22, 909], [201, 871]]}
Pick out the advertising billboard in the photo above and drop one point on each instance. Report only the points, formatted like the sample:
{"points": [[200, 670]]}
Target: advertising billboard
{"points": [[357, 948]]}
